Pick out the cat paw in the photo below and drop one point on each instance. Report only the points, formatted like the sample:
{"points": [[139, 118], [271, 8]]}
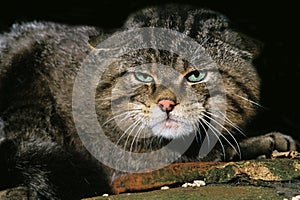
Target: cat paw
{"points": [[282, 142], [17, 193], [263, 146]]}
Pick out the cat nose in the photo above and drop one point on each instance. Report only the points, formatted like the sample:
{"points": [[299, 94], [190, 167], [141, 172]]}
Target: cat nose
{"points": [[166, 105]]}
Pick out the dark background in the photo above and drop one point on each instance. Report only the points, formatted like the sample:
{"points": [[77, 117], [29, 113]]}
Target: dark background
{"points": [[276, 24]]}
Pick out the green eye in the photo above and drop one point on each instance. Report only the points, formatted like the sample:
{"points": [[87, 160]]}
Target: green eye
{"points": [[195, 76], [143, 77]]}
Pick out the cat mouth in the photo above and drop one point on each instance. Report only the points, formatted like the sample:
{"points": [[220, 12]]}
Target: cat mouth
{"points": [[170, 128], [171, 123]]}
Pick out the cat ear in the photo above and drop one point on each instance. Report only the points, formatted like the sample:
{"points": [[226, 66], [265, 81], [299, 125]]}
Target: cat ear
{"points": [[242, 42]]}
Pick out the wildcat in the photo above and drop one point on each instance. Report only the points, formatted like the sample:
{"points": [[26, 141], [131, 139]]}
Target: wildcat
{"points": [[144, 100]]}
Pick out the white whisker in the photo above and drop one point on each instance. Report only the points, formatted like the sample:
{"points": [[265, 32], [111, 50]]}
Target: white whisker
{"points": [[137, 133], [217, 132], [207, 135], [248, 100], [228, 121], [128, 113], [123, 134], [161, 139], [197, 133], [132, 127], [231, 135]]}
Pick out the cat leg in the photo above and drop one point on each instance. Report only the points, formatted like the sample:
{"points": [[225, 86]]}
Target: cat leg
{"points": [[48, 171], [14, 172], [263, 146]]}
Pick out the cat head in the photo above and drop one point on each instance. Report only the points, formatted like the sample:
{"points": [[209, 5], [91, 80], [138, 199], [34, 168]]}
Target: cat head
{"points": [[151, 92]]}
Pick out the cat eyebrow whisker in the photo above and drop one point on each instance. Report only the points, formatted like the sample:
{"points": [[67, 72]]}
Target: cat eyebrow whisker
{"points": [[250, 101]]}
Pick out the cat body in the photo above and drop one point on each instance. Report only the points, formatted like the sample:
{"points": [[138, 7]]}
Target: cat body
{"points": [[40, 146]]}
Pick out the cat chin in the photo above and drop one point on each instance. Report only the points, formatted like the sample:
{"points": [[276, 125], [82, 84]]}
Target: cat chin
{"points": [[171, 129]]}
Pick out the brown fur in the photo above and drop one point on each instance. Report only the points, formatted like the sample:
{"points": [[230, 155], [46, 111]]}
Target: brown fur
{"points": [[39, 62]]}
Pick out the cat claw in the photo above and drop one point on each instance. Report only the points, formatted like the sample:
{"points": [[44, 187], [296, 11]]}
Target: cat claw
{"points": [[287, 154]]}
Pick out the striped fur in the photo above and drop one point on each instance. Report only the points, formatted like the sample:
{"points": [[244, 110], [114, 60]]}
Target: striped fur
{"points": [[39, 144]]}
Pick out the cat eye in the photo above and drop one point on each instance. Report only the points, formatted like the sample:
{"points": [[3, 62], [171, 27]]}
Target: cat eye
{"points": [[195, 76], [143, 77]]}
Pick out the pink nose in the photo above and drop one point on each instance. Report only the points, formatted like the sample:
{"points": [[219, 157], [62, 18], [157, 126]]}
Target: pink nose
{"points": [[166, 105]]}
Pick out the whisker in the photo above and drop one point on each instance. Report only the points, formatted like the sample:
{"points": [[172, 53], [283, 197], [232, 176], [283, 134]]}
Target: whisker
{"points": [[144, 136], [236, 127], [250, 101], [207, 135], [228, 121], [231, 135], [132, 127], [205, 130], [137, 133], [217, 132], [129, 113], [124, 133], [160, 140], [197, 133], [151, 142]]}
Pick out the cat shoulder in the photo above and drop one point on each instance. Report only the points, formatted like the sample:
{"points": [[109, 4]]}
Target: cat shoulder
{"points": [[26, 39]]}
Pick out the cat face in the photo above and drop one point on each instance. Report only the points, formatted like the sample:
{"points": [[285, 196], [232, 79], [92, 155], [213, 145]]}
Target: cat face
{"points": [[150, 95], [164, 97], [157, 99]]}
